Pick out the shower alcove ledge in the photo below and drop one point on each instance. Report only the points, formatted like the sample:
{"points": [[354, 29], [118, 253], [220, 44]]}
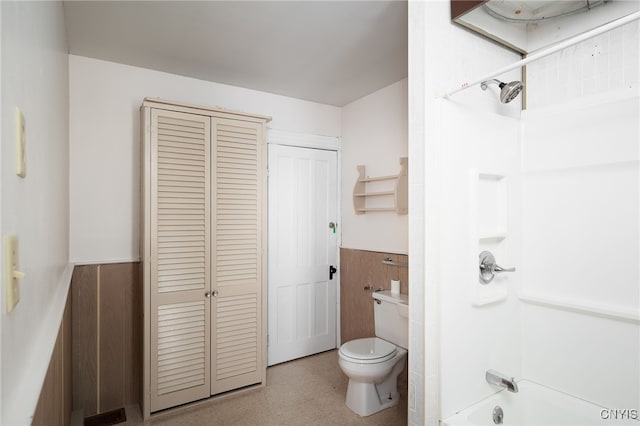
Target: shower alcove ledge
{"points": [[586, 308], [492, 235], [479, 302]]}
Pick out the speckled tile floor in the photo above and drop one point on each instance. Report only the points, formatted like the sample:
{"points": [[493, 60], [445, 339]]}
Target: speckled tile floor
{"points": [[308, 391]]}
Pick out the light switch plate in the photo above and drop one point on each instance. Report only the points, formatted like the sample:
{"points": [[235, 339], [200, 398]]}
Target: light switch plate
{"points": [[11, 282], [21, 153]]}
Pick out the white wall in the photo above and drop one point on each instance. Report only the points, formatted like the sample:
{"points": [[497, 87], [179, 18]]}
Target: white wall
{"points": [[416, 82], [609, 62], [374, 134], [453, 56], [34, 78], [479, 323], [577, 330], [581, 247], [580, 203], [104, 141], [581, 215], [1, 263]]}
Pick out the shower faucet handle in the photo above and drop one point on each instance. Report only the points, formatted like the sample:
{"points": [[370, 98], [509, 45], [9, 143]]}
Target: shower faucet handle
{"points": [[498, 268], [489, 268]]}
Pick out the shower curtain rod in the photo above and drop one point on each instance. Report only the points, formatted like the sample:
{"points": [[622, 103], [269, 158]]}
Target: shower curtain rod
{"points": [[548, 51]]}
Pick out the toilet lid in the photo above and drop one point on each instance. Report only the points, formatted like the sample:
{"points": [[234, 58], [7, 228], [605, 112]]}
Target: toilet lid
{"points": [[369, 349]]}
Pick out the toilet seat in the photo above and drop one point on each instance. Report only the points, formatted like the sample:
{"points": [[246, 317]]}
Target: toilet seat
{"points": [[370, 350]]}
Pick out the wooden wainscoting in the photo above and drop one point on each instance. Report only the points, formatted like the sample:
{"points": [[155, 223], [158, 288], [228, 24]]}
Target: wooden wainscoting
{"points": [[107, 341], [358, 269], [54, 404]]}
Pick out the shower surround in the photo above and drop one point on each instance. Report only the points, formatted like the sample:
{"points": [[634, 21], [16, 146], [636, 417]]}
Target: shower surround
{"points": [[568, 317]]}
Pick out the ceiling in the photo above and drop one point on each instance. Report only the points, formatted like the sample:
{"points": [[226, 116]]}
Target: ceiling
{"points": [[332, 52]]}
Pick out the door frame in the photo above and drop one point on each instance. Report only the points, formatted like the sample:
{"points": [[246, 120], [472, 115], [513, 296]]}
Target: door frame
{"points": [[326, 143]]}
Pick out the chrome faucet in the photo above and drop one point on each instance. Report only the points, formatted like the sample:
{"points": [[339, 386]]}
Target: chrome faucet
{"points": [[495, 378]]}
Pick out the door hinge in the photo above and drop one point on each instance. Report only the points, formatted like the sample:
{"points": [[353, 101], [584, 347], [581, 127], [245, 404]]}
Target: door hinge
{"points": [[267, 340]]}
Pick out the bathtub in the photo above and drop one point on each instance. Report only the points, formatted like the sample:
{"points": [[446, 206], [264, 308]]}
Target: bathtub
{"points": [[539, 405]]}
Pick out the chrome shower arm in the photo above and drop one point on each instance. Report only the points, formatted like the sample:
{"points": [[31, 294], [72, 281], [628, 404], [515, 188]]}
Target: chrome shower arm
{"points": [[508, 91], [495, 81]]}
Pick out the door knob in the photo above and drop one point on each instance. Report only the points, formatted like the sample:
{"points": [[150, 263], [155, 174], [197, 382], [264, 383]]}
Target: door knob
{"points": [[209, 294], [489, 268]]}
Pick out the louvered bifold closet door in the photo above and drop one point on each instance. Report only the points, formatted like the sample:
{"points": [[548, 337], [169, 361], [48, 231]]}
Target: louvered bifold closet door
{"points": [[237, 353], [180, 258]]}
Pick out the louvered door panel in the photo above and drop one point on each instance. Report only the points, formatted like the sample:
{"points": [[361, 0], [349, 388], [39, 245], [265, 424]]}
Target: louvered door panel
{"points": [[180, 253], [181, 346], [237, 337], [237, 355]]}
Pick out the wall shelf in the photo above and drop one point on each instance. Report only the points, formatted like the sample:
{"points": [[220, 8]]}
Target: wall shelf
{"points": [[376, 179], [374, 194], [398, 195], [375, 209]]}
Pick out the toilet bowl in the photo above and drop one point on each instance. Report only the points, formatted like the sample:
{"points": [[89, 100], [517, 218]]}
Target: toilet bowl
{"points": [[372, 366], [374, 363]]}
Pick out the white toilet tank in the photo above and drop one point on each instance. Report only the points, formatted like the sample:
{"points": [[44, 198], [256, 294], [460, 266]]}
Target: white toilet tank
{"points": [[391, 313]]}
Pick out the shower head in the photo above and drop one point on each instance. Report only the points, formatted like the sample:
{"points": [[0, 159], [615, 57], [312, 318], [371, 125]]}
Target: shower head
{"points": [[508, 91]]}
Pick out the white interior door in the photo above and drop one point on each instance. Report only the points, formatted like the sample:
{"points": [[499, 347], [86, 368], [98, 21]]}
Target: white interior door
{"points": [[302, 247]]}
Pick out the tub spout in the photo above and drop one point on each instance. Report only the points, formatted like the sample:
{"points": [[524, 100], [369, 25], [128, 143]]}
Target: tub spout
{"points": [[496, 378]]}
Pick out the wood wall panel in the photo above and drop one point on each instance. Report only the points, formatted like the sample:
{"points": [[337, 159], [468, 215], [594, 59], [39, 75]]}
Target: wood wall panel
{"points": [[54, 403], [133, 336], [358, 269], [84, 307], [107, 325], [67, 363], [49, 408], [112, 283]]}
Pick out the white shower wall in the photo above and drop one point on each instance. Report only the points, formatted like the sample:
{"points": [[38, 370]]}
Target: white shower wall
{"points": [[572, 228], [581, 242], [458, 338], [572, 231], [479, 324], [609, 62], [581, 185]]}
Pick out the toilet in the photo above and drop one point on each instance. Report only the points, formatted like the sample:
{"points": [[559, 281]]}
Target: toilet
{"points": [[374, 363]]}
